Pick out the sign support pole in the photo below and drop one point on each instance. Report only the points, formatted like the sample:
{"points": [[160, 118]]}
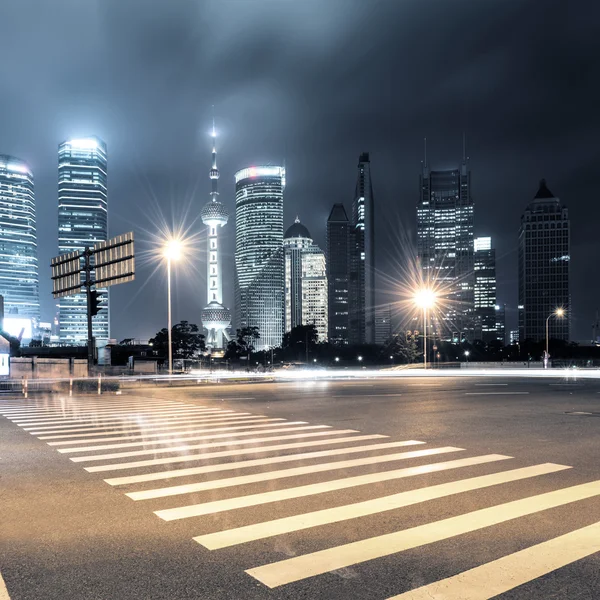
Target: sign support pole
{"points": [[88, 293]]}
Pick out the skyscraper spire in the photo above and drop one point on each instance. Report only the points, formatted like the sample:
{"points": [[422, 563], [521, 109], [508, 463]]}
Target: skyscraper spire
{"points": [[464, 147], [425, 151], [214, 172]]}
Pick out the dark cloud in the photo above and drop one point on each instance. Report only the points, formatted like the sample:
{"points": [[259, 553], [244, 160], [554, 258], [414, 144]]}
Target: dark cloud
{"points": [[313, 83]]}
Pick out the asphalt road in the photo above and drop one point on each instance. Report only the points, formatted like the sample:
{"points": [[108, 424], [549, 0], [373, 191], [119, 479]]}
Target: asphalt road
{"points": [[412, 489]]}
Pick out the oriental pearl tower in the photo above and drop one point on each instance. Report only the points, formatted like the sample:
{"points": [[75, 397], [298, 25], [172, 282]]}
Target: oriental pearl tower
{"points": [[216, 318]]}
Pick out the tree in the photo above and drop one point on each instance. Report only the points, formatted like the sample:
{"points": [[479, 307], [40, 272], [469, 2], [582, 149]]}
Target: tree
{"points": [[301, 334], [403, 349], [243, 344], [186, 339]]}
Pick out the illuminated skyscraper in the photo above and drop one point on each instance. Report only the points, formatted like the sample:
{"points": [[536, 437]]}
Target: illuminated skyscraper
{"points": [[215, 317], [362, 258], [259, 263], [82, 222], [338, 274], [544, 259], [485, 288], [19, 277], [445, 246], [305, 281]]}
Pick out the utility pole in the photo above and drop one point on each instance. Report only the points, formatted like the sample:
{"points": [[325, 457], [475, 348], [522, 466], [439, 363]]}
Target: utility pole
{"points": [[88, 293]]}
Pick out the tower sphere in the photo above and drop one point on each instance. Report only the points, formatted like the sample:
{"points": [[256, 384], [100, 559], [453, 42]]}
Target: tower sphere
{"points": [[214, 213]]}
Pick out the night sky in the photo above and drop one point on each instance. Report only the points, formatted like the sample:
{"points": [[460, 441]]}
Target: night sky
{"points": [[314, 83]]}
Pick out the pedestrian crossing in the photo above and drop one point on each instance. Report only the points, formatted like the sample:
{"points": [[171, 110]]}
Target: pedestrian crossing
{"points": [[297, 477]]}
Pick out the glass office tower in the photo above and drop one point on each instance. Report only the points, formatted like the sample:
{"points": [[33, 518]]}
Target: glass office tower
{"points": [[82, 222], [19, 276], [544, 260], [485, 288], [259, 262]]}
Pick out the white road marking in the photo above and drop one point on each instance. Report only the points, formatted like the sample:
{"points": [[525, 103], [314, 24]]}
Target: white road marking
{"points": [[496, 393], [366, 395], [3, 591], [490, 384], [259, 531], [263, 422], [130, 415], [209, 508], [234, 466], [266, 428], [126, 428], [221, 454], [316, 563], [61, 410], [141, 423], [117, 416], [281, 474], [499, 576], [186, 448]]}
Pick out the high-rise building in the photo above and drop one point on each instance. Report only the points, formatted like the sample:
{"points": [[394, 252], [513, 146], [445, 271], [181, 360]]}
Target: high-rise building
{"points": [[383, 324], [82, 222], [216, 318], [259, 264], [19, 276], [338, 274], [445, 246], [305, 281], [485, 287], [544, 258], [362, 258], [501, 323]]}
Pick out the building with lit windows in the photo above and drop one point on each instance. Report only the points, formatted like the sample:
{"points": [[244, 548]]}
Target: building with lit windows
{"points": [[500, 310], [338, 274], [305, 281], [19, 275], [259, 260], [544, 259], [216, 318], [383, 325], [362, 258], [485, 288], [82, 222], [445, 247]]}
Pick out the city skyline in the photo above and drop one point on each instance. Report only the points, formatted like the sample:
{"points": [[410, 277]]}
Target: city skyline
{"points": [[158, 162]]}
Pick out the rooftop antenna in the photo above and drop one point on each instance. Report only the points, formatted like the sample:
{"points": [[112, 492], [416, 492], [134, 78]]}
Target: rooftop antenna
{"points": [[425, 148], [464, 147]]}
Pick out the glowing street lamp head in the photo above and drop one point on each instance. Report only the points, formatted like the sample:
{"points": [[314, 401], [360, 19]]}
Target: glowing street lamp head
{"points": [[559, 312], [425, 298], [172, 250]]}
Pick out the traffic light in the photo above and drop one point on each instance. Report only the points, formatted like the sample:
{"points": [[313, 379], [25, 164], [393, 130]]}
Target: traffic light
{"points": [[95, 303]]}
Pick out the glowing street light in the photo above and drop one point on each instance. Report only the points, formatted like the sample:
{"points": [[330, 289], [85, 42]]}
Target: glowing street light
{"points": [[559, 313], [172, 252], [467, 355], [359, 358], [425, 299], [337, 359]]}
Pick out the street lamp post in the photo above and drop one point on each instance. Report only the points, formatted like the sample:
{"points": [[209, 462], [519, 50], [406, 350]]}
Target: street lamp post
{"points": [[425, 299], [171, 251], [559, 312]]}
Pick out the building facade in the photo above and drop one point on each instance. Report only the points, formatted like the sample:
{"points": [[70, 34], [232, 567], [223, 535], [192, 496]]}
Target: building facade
{"points": [[338, 274], [501, 323], [19, 274], [485, 288], [362, 258], [305, 281], [445, 247], [544, 259], [82, 222], [259, 260], [216, 318], [383, 324]]}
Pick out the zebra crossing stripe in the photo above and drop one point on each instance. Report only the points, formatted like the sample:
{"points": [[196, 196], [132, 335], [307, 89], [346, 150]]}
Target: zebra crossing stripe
{"points": [[130, 421], [234, 466], [259, 531], [113, 415], [146, 436], [317, 563], [130, 428], [281, 474], [506, 573], [207, 435], [209, 508], [210, 455], [259, 440]]}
